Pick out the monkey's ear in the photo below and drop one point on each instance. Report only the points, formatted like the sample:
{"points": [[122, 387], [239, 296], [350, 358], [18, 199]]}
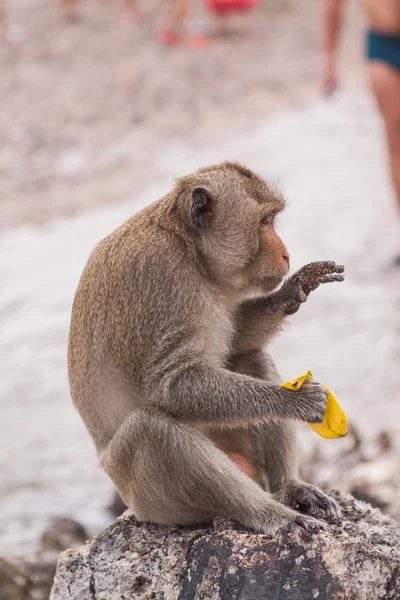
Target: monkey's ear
{"points": [[201, 212]]}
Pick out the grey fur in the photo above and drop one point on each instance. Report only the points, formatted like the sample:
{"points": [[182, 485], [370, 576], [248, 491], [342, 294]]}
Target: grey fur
{"points": [[166, 360]]}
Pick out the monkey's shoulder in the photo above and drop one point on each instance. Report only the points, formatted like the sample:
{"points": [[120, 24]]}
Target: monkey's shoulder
{"points": [[140, 248], [143, 268]]}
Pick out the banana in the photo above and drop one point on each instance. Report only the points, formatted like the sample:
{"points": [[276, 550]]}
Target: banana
{"points": [[335, 422]]}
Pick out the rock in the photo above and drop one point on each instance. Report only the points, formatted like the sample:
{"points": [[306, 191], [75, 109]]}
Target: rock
{"points": [[23, 579], [366, 467], [131, 560], [62, 533]]}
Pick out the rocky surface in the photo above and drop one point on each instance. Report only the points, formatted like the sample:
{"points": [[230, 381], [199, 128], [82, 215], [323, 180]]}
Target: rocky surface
{"points": [[22, 579], [31, 579], [367, 468], [359, 560]]}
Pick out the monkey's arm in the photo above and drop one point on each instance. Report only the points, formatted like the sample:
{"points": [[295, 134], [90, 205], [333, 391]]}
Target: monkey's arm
{"points": [[259, 320], [206, 394]]}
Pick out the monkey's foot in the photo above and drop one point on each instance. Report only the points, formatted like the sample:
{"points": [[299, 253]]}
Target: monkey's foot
{"points": [[282, 523], [302, 526], [310, 500]]}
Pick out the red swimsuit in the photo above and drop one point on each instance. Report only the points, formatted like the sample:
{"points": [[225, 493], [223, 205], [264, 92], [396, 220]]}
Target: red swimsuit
{"points": [[223, 6]]}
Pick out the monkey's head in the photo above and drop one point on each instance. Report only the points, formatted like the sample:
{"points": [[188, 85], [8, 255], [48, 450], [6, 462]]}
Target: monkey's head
{"points": [[231, 213]]}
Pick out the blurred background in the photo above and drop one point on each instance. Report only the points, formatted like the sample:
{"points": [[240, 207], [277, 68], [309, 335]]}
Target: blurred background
{"points": [[99, 111]]}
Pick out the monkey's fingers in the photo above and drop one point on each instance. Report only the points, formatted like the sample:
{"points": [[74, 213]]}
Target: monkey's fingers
{"points": [[319, 268], [303, 526], [328, 266], [333, 277], [321, 273], [309, 276]]}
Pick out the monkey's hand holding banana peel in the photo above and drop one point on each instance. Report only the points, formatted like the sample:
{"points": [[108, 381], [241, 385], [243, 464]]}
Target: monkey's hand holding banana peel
{"points": [[335, 420]]}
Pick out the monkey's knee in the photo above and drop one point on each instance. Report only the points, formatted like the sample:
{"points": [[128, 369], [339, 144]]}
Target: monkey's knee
{"points": [[134, 460], [161, 468], [168, 472]]}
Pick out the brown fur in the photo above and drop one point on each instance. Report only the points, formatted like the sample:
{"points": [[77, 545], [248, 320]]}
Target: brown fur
{"points": [[166, 359]]}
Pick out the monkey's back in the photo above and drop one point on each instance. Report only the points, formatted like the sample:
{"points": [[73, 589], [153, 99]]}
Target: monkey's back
{"points": [[130, 319]]}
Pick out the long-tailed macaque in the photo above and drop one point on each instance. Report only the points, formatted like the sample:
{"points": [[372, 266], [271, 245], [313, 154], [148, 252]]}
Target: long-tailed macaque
{"points": [[167, 364]]}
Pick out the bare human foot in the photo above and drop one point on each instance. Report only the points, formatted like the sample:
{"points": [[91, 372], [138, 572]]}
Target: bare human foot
{"points": [[68, 10], [131, 14], [168, 37], [197, 41]]}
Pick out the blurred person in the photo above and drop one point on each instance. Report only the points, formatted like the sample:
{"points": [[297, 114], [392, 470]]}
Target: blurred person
{"points": [[223, 10], [177, 28], [3, 20], [383, 54], [68, 8], [130, 11]]}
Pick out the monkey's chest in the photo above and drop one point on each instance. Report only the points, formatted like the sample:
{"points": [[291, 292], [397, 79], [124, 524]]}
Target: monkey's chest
{"points": [[219, 335]]}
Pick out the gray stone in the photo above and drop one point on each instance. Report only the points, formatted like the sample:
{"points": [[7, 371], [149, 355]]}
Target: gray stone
{"points": [[60, 534], [359, 560], [25, 579], [31, 579]]}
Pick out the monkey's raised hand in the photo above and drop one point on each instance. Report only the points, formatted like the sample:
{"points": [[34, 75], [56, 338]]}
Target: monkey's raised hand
{"points": [[297, 288]]}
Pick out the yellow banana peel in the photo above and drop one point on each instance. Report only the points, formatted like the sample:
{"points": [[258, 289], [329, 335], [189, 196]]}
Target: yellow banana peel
{"points": [[335, 421]]}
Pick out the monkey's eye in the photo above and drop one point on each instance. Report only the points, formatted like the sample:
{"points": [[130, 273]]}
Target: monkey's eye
{"points": [[267, 220]]}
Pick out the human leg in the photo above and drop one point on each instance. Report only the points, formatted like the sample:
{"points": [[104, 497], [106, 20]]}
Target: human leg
{"points": [[68, 8], [385, 82]]}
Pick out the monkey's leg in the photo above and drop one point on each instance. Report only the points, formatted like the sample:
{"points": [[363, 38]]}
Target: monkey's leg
{"points": [[274, 446], [167, 472], [278, 442]]}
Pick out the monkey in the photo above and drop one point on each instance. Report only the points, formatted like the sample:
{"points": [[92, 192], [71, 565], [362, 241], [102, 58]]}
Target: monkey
{"points": [[168, 362], [175, 19], [177, 29]]}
